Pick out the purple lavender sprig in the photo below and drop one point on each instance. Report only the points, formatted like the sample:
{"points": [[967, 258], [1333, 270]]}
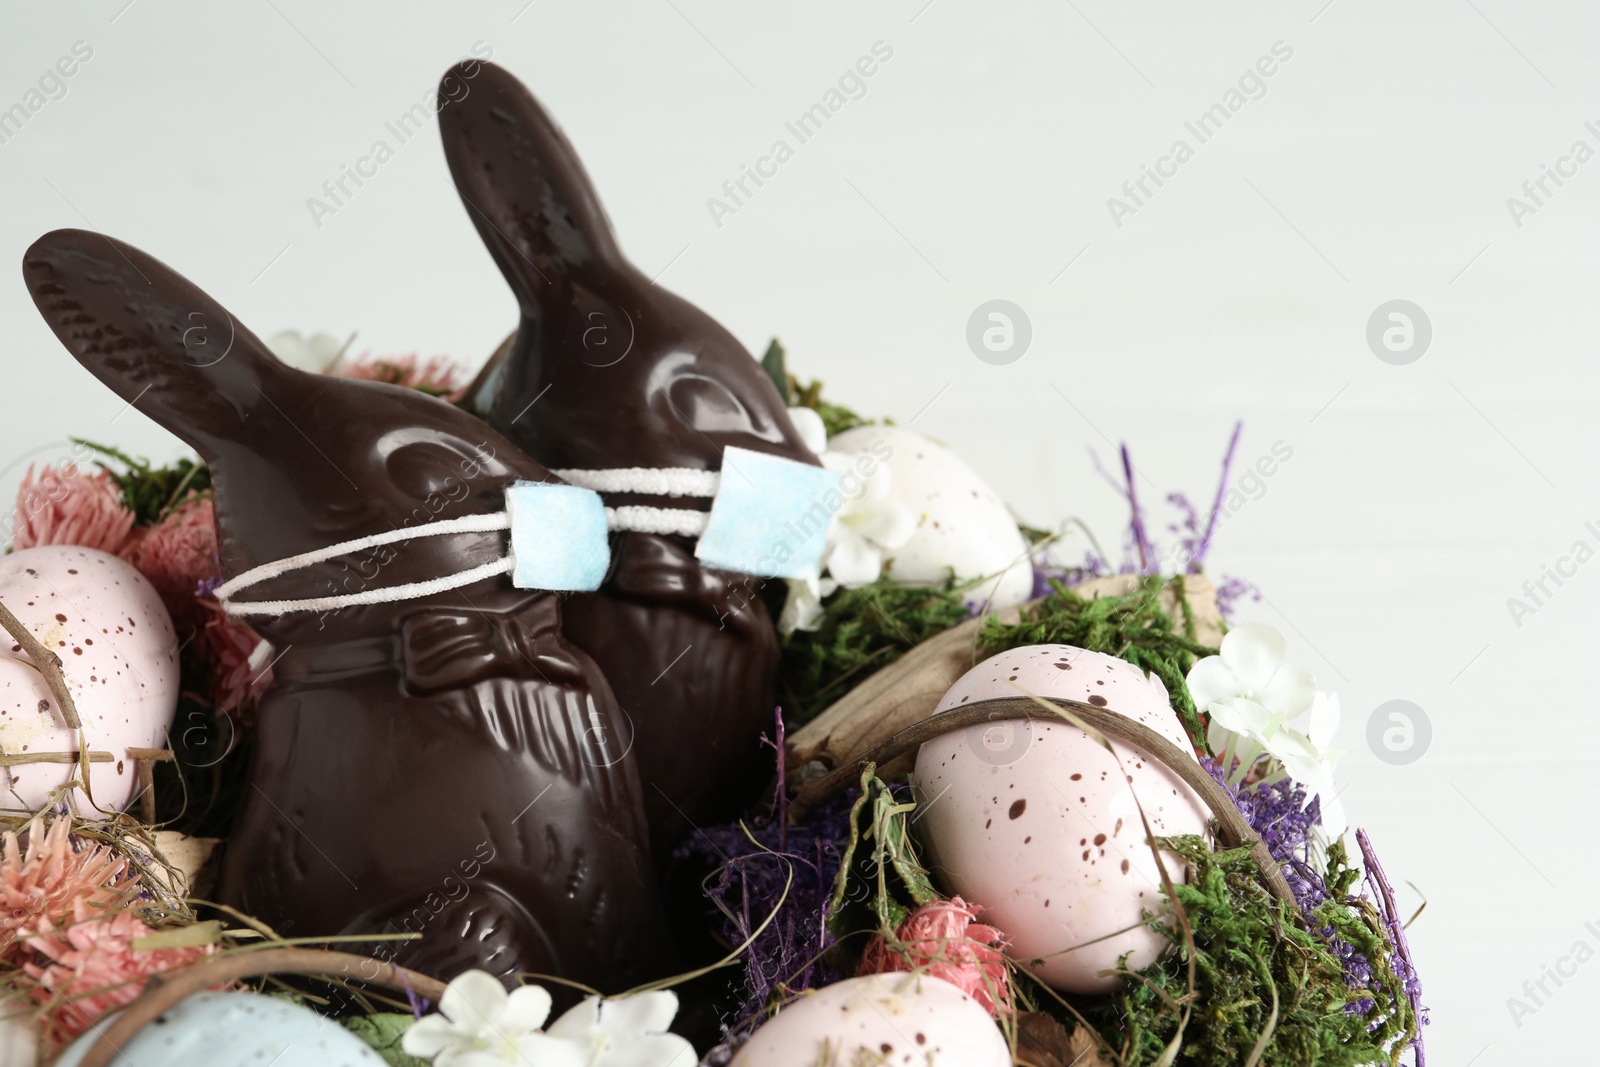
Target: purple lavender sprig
{"points": [[1222, 490], [1141, 540], [1142, 555], [1231, 592], [1278, 812]]}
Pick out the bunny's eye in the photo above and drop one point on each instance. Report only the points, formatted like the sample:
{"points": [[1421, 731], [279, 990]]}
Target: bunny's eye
{"points": [[709, 406], [441, 467]]}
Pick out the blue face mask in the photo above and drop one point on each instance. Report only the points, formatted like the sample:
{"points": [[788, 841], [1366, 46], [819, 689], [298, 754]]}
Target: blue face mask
{"points": [[769, 517]]}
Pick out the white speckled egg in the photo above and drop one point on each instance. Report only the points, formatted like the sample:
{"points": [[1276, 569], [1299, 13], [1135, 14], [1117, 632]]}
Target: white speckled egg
{"points": [[961, 523], [119, 655], [904, 1020], [236, 1030], [1037, 822]]}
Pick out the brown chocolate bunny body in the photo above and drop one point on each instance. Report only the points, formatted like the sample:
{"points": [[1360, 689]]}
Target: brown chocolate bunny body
{"points": [[443, 765], [608, 370]]}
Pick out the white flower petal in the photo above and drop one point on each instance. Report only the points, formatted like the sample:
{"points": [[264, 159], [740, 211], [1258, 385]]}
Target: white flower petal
{"points": [[580, 1021], [853, 562], [1255, 652], [890, 524], [526, 1009], [803, 608], [1324, 721], [1242, 716], [429, 1036], [320, 351], [808, 424], [544, 1050], [485, 1057], [288, 345], [635, 1016], [1211, 680], [1298, 755], [662, 1050], [1290, 691], [473, 999]]}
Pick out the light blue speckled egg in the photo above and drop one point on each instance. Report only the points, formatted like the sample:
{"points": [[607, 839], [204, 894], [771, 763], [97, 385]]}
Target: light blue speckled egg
{"points": [[236, 1030]]}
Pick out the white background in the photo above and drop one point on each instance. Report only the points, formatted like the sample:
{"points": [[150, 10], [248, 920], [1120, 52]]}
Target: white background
{"points": [[1376, 166]]}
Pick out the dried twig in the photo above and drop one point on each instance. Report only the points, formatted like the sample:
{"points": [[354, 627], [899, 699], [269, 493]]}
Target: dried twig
{"points": [[48, 663], [165, 991], [144, 762]]}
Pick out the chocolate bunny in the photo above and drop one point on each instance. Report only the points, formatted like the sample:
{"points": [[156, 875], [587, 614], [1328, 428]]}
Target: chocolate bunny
{"points": [[442, 765], [608, 371]]}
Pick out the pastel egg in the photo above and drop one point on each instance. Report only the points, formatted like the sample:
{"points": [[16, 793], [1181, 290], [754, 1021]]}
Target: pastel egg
{"points": [[235, 1030], [119, 655], [962, 524], [906, 1020], [1039, 823]]}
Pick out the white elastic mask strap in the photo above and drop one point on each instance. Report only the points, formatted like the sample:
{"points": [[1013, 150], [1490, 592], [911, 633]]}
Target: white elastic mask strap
{"points": [[558, 542]]}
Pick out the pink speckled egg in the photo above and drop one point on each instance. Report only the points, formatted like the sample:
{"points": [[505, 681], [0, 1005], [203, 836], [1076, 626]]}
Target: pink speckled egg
{"points": [[120, 657], [1037, 822], [906, 1020]]}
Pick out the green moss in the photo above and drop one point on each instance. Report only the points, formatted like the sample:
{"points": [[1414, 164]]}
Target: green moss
{"points": [[1132, 627], [862, 630], [1246, 946], [150, 492], [384, 1032]]}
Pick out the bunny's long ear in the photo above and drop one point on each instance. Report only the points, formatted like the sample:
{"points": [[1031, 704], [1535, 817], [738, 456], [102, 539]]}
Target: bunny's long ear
{"points": [[522, 183], [151, 335]]}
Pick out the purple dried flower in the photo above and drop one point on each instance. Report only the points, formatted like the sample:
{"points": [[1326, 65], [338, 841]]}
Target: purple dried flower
{"points": [[1091, 567], [1141, 554], [1278, 812], [754, 863], [1189, 544], [1222, 490], [1230, 591]]}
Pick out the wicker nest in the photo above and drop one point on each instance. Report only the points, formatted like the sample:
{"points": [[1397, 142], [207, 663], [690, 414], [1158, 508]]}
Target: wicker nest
{"points": [[886, 718], [906, 691]]}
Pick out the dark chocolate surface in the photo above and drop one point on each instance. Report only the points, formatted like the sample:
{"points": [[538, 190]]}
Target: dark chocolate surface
{"points": [[448, 766], [608, 370]]}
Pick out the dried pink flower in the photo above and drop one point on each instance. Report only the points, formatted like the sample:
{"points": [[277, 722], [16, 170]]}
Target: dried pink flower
{"points": [[943, 938], [90, 966], [435, 375], [176, 555], [46, 878], [230, 648], [64, 506]]}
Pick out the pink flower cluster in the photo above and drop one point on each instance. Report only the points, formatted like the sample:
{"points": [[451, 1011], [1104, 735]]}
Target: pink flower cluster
{"points": [[45, 876], [67, 507], [435, 375], [943, 938], [177, 554], [62, 919]]}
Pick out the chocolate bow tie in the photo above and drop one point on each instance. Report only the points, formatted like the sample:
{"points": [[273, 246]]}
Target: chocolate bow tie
{"points": [[452, 649]]}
